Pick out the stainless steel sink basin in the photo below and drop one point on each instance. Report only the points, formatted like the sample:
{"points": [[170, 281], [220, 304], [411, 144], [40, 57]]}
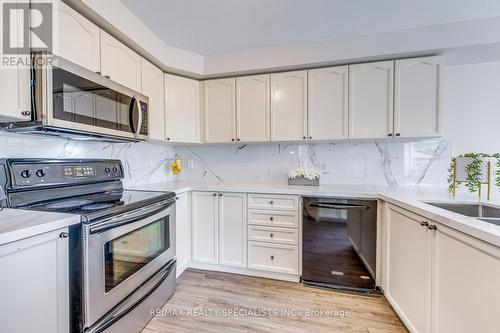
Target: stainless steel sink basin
{"points": [[482, 212]]}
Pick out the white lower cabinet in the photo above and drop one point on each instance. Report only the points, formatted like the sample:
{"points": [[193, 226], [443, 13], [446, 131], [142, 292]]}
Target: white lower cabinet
{"points": [[219, 228], [183, 231], [438, 280], [273, 257], [205, 225], [34, 284]]}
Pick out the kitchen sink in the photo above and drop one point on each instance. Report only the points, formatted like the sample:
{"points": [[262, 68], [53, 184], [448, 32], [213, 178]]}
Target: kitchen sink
{"points": [[483, 212]]}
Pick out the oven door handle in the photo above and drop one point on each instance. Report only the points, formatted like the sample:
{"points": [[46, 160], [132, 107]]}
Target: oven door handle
{"points": [[339, 206], [124, 308], [120, 221]]}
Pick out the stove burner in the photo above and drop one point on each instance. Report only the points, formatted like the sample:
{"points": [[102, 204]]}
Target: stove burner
{"points": [[97, 206], [69, 204]]}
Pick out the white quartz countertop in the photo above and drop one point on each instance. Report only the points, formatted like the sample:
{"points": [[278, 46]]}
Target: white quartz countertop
{"points": [[17, 224], [411, 198]]}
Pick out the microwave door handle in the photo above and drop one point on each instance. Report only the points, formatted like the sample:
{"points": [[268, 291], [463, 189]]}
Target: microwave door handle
{"points": [[135, 103], [339, 206]]}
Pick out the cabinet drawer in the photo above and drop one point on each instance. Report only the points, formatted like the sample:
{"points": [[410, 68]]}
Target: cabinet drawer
{"points": [[272, 201], [274, 235], [273, 218], [273, 257]]}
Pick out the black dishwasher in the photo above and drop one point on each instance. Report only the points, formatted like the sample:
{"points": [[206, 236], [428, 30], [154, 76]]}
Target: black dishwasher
{"points": [[339, 243]]}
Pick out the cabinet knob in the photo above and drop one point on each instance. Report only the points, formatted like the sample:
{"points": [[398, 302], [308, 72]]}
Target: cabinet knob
{"points": [[432, 227], [220, 194], [64, 235], [271, 218], [398, 134], [304, 137], [271, 202], [168, 139], [26, 113], [390, 134], [424, 224], [98, 72], [215, 194], [310, 137], [176, 198], [271, 235], [272, 257], [107, 76], [232, 139]]}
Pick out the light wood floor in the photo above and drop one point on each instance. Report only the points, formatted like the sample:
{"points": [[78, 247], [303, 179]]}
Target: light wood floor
{"points": [[205, 290]]}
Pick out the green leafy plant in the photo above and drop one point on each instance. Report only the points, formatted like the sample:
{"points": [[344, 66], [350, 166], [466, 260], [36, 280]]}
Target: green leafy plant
{"points": [[473, 171]]}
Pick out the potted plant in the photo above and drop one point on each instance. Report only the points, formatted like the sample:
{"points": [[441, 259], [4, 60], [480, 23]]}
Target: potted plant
{"points": [[473, 170], [303, 176]]}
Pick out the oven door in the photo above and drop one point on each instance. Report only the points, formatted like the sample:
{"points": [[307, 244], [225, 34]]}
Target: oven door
{"points": [[75, 98], [121, 253]]}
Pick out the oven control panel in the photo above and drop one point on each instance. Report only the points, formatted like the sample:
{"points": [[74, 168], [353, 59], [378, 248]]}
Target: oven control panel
{"points": [[36, 173]]}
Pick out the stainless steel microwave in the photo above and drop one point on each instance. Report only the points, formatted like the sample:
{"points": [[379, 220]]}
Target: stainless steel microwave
{"points": [[72, 100]]}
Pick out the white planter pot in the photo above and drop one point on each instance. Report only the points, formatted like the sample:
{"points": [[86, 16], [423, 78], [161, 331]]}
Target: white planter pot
{"points": [[462, 162]]}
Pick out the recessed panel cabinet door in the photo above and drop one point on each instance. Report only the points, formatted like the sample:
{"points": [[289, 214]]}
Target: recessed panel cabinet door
{"points": [[182, 106], [232, 229], [417, 100], [465, 276], [371, 100], [219, 104], [408, 267], [289, 106], [120, 63], [205, 227], [328, 111], [253, 108], [152, 86], [77, 38]]}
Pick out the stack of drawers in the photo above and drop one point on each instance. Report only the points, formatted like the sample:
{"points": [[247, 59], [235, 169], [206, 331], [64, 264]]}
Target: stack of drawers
{"points": [[273, 233]]}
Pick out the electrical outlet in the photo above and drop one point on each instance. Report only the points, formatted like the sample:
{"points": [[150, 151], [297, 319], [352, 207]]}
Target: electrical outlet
{"points": [[190, 164]]}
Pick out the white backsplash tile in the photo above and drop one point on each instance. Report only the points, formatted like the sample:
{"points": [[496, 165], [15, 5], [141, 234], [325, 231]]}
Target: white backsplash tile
{"points": [[143, 162], [420, 162]]}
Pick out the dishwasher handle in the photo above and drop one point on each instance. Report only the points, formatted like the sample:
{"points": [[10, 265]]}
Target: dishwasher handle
{"points": [[339, 206]]}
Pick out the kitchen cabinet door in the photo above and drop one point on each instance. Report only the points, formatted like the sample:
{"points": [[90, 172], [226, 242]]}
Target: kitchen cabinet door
{"points": [[77, 39], [120, 63], [182, 109], [15, 82], [371, 100], [289, 106], [253, 108], [328, 111], [408, 267], [183, 231], [34, 284], [205, 227], [232, 229], [219, 105], [152, 86], [417, 99], [465, 283]]}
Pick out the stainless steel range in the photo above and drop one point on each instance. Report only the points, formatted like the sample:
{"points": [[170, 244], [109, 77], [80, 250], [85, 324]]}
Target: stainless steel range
{"points": [[122, 255]]}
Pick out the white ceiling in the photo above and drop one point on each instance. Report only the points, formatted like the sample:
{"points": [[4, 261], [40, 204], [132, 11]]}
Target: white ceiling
{"points": [[211, 27]]}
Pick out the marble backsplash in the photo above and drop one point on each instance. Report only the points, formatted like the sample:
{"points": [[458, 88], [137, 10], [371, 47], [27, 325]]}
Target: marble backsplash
{"points": [[421, 162], [143, 162]]}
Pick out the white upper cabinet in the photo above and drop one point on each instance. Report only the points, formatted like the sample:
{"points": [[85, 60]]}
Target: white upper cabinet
{"points": [[253, 108], [289, 106], [152, 86], [77, 39], [417, 99], [182, 106], [120, 63], [328, 111], [232, 229], [15, 103], [219, 104], [371, 100]]}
